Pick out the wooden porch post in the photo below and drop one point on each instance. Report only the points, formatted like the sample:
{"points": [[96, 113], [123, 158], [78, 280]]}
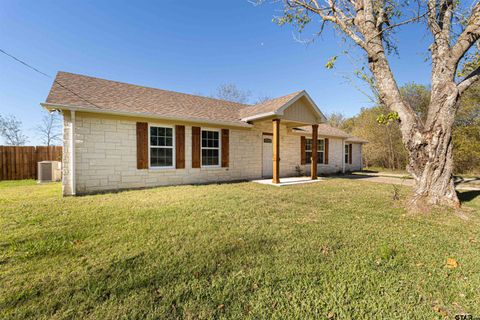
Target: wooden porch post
{"points": [[276, 151], [313, 171]]}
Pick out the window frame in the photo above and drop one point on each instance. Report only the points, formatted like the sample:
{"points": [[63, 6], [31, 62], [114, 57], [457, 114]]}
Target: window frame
{"points": [[173, 147], [346, 150], [202, 129], [307, 159]]}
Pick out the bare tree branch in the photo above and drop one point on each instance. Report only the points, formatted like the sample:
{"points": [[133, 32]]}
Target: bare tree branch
{"points": [[11, 131], [468, 37], [230, 92], [333, 18], [469, 80], [49, 130]]}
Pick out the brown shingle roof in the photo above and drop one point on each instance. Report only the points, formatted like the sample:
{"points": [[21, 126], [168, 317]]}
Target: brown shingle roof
{"points": [[329, 131], [267, 106], [95, 94], [105, 95]]}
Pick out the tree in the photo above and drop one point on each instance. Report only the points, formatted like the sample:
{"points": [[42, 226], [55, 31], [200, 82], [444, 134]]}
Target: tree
{"points": [[384, 147], [50, 129], [336, 119], [418, 97], [11, 131], [455, 30], [231, 92], [262, 99], [466, 132]]}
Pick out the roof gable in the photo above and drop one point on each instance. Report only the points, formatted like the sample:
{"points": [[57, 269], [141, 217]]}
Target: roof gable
{"points": [[278, 106]]}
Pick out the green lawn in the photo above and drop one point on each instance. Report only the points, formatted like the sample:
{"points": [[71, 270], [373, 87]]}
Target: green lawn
{"points": [[335, 249]]}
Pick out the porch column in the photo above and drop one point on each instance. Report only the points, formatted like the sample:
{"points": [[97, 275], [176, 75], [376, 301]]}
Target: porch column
{"points": [[276, 151], [313, 171]]}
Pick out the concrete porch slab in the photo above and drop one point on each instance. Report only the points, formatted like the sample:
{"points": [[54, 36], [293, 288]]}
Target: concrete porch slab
{"points": [[287, 181]]}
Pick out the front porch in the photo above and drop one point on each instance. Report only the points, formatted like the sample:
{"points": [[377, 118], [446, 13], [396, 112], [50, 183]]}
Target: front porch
{"points": [[291, 111], [291, 123], [289, 181]]}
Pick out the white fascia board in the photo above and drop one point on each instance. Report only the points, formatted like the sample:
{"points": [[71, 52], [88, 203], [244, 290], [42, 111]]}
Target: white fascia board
{"points": [[260, 116], [51, 106]]}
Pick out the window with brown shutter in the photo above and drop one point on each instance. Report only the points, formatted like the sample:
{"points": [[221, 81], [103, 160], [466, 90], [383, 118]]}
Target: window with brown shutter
{"points": [[142, 145], [196, 147], [180, 147], [303, 156], [350, 153], [309, 150], [225, 147], [327, 142]]}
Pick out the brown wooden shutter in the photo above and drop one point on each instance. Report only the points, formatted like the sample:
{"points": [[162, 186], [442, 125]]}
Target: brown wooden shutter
{"points": [[180, 147], [350, 153], [225, 147], [303, 156], [195, 147], [142, 145], [325, 157]]}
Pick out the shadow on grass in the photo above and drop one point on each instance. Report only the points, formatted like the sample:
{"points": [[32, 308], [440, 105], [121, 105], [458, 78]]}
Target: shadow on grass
{"points": [[160, 281], [467, 196], [459, 179], [369, 171]]}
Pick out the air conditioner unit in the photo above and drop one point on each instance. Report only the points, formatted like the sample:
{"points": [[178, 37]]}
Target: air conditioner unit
{"points": [[49, 171]]}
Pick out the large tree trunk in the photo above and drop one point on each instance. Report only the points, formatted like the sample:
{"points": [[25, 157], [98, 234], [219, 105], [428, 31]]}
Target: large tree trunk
{"points": [[429, 145], [431, 165], [430, 151]]}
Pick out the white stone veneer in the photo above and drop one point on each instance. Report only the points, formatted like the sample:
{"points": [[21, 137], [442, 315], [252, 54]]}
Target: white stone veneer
{"points": [[106, 156]]}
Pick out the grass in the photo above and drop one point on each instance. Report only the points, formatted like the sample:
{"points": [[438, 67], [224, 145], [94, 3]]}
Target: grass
{"points": [[335, 249]]}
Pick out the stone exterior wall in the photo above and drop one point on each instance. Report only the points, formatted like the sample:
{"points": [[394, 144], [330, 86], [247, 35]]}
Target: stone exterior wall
{"points": [[335, 156], [356, 158], [106, 157]]}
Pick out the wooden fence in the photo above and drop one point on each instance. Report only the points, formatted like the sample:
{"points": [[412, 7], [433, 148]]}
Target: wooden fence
{"points": [[20, 162]]}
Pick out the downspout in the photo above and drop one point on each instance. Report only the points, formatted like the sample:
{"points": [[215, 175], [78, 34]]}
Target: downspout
{"points": [[72, 152], [343, 155]]}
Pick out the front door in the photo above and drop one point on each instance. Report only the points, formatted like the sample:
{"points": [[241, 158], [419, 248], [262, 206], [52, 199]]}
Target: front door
{"points": [[267, 169]]}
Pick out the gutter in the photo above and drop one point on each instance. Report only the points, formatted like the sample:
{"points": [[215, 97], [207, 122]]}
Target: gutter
{"points": [[52, 106]]}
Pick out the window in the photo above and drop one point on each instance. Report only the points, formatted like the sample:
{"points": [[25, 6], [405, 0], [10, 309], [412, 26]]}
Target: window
{"points": [[347, 151], [320, 150], [210, 148], [161, 147]]}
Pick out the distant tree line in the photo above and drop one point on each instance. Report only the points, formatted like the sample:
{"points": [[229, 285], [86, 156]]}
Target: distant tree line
{"points": [[385, 147]]}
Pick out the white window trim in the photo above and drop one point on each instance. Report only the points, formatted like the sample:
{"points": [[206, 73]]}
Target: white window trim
{"points": [[323, 139], [346, 153], [174, 151], [219, 165]]}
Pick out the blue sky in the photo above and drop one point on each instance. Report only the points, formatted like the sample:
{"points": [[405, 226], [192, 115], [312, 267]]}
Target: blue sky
{"points": [[187, 46]]}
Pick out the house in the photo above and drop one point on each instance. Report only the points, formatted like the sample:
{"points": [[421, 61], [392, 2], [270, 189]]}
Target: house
{"points": [[122, 136]]}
